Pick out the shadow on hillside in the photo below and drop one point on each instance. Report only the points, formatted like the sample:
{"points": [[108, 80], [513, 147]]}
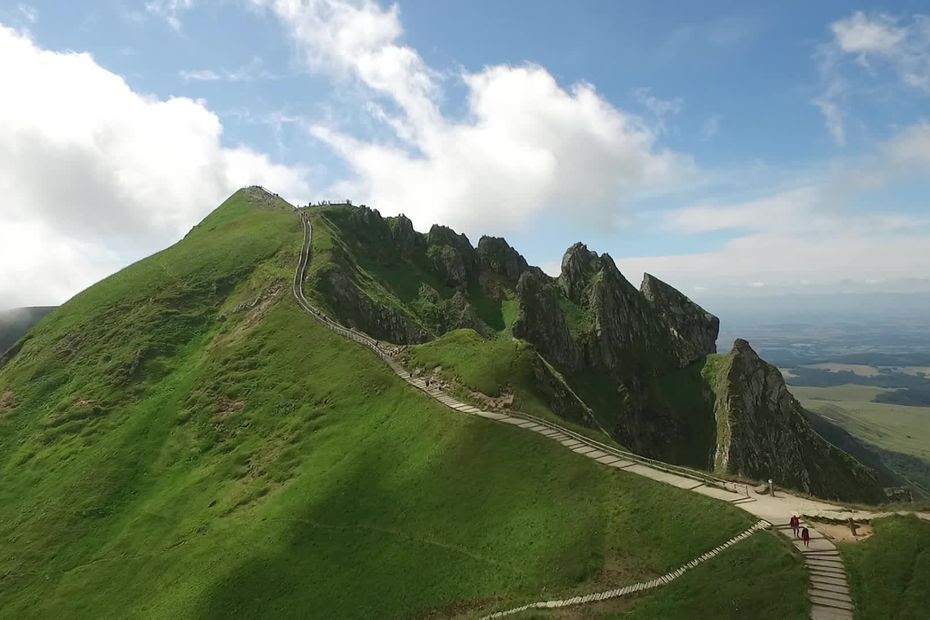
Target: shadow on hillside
{"points": [[394, 539]]}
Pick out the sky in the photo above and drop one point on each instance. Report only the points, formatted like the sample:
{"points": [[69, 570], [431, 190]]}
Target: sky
{"points": [[734, 150]]}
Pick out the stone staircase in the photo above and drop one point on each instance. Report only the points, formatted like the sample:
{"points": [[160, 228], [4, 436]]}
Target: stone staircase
{"points": [[829, 589], [636, 587]]}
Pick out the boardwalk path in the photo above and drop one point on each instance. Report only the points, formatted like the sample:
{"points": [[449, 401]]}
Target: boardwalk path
{"points": [[828, 592]]}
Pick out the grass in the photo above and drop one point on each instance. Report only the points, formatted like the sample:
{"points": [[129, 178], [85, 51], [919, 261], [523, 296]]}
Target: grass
{"points": [[181, 440], [484, 365], [380, 281], [577, 319], [857, 369], [889, 574], [761, 578], [686, 395], [493, 366], [409, 285], [897, 428], [846, 392]]}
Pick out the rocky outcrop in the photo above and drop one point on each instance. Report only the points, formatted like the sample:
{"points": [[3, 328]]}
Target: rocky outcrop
{"points": [[579, 265], [358, 310], [497, 256], [451, 255], [459, 313], [541, 322], [626, 336], [692, 329], [403, 235], [762, 433], [630, 331], [628, 360]]}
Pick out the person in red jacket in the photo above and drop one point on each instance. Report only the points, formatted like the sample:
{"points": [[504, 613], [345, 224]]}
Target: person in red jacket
{"points": [[806, 536], [795, 524]]}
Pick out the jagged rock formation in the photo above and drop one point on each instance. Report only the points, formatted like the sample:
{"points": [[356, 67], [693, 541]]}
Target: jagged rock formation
{"points": [[541, 321], [693, 330], [403, 235], [637, 359], [763, 433], [451, 255], [497, 256]]}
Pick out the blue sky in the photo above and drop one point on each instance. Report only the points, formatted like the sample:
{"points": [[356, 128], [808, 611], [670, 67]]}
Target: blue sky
{"points": [[729, 148]]}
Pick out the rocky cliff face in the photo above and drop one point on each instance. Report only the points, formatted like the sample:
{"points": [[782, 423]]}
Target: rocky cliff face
{"points": [[403, 235], [356, 309], [634, 358], [762, 433], [616, 327], [692, 329], [540, 321], [451, 255], [383, 277], [496, 256]]}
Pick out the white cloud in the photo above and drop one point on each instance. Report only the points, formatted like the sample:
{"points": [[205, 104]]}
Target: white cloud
{"points": [[878, 44], [250, 71], [658, 108], [711, 126], [909, 150], [526, 147], [359, 40], [830, 105], [97, 175], [199, 75], [780, 261], [779, 210], [810, 234], [29, 12], [861, 34], [169, 10]]}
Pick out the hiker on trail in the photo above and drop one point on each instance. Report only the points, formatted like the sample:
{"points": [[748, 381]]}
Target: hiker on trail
{"points": [[795, 524], [806, 536]]}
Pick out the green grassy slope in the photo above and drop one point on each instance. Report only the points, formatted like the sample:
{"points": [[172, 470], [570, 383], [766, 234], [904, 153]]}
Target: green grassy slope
{"points": [[760, 578], [893, 427], [495, 366], [889, 574], [359, 245], [180, 440]]}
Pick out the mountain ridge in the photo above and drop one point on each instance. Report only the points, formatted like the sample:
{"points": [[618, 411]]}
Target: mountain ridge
{"points": [[635, 357], [182, 440]]}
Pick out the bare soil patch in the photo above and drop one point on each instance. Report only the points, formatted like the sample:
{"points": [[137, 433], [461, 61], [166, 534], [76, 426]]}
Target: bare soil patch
{"points": [[7, 402], [840, 532]]}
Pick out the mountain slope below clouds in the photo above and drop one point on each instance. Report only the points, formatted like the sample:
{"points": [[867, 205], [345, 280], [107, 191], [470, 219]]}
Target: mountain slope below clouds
{"points": [[181, 440]]}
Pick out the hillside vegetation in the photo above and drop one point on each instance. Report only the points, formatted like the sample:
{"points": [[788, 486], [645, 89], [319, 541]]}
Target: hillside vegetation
{"points": [[180, 440], [635, 366], [889, 574]]}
